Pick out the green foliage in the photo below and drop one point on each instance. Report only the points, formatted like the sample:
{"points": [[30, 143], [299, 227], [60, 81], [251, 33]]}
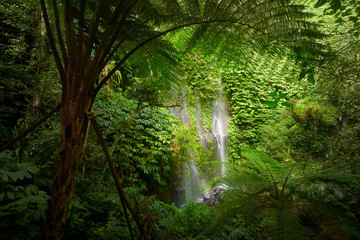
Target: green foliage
{"points": [[144, 153], [96, 213], [276, 139], [247, 108], [148, 144], [260, 161], [276, 100], [23, 58], [303, 132], [291, 201], [345, 146], [333, 194], [153, 144], [206, 116], [347, 12], [263, 201], [188, 147], [22, 202], [202, 75], [200, 126], [190, 222], [19, 21], [261, 81]]}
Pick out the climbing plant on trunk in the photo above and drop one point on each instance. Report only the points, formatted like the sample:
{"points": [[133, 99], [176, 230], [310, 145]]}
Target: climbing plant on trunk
{"points": [[97, 31]]}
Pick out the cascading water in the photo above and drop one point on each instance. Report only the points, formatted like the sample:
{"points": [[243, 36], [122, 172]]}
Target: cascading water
{"points": [[194, 183], [220, 129], [190, 184]]}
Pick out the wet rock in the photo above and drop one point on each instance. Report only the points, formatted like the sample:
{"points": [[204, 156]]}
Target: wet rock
{"points": [[213, 196]]}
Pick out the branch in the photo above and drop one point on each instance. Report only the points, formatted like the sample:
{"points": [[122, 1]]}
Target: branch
{"points": [[79, 61], [113, 51], [170, 106], [35, 125], [115, 175], [70, 33], [341, 51], [105, 38], [287, 178], [358, 108], [127, 218], [52, 42], [104, 58], [59, 34], [326, 72], [294, 188], [92, 31], [272, 177]]}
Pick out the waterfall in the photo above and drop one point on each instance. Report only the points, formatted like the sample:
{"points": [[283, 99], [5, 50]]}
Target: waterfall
{"points": [[189, 181], [193, 181], [220, 129], [191, 184]]}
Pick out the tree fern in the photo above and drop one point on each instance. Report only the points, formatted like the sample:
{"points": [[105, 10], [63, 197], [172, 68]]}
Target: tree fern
{"points": [[281, 199], [100, 31], [269, 196]]}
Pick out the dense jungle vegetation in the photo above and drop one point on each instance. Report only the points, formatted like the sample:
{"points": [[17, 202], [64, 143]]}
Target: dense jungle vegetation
{"points": [[113, 101]]}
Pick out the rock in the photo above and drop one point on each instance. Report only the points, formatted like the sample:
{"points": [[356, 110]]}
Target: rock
{"points": [[213, 196]]}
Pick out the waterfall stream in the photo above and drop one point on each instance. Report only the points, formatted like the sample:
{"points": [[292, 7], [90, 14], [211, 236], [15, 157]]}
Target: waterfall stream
{"points": [[191, 184], [220, 129]]}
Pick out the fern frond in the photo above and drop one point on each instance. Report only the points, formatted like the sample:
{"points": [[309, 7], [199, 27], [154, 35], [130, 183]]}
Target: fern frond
{"points": [[262, 162], [192, 7]]}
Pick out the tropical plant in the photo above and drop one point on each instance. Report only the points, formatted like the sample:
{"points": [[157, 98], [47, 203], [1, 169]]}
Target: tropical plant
{"points": [[145, 141], [190, 222], [99, 31], [264, 198], [22, 202], [303, 132], [333, 208]]}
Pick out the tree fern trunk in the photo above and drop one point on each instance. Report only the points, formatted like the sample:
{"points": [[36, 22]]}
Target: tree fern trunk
{"points": [[76, 102]]}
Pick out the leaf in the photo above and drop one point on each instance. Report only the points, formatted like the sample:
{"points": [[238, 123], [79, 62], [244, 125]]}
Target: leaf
{"points": [[271, 104], [34, 189], [28, 190], [2, 195], [311, 78], [77, 204], [20, 208], [335, 5], [273, 94], [302, 74], [27, 174], [20, 175], [286, 104], [320, 3], [353, 19], [4, 177], [282, 95], [11, 195], [12, 175]]}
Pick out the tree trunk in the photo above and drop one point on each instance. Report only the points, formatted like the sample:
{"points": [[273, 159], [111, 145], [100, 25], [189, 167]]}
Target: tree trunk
{"points": [[76, 102]]}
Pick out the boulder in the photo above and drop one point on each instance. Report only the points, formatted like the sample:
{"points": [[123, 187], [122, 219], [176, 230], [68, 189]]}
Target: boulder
{"points": [[213, 196]]}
